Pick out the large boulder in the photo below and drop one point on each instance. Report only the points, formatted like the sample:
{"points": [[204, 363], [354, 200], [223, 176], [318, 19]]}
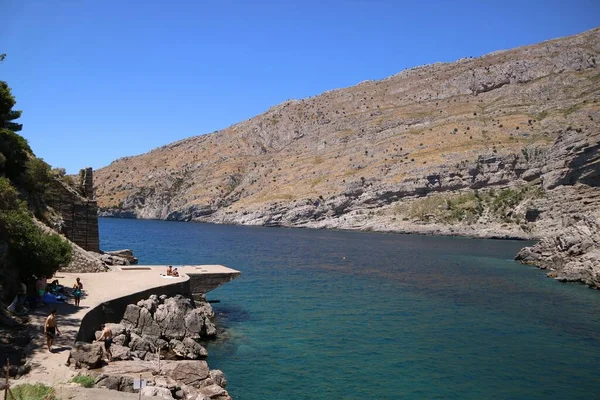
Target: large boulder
{"points": [[86, 355], [188, 348], [219, 378], [131, 315], [171, 316], [191, 373], [213, 392], [198, 324], [120, 353], [115, 382], [161, 392], [126, 254], [147, 325]]}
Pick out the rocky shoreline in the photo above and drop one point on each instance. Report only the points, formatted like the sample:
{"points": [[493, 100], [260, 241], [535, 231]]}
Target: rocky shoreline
{"points": [[157, 339]]}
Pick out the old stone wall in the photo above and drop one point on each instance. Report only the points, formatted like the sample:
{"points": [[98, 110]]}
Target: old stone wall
{"points": [[79, 213]]}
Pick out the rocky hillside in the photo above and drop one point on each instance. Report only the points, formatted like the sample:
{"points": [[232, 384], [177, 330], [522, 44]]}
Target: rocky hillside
{"points": [[502, 145]]}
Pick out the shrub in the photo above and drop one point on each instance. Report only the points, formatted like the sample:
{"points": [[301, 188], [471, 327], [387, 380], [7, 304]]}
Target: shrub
{"points": [[84, 380], [30, 249], [15, 150], [38, 391]]}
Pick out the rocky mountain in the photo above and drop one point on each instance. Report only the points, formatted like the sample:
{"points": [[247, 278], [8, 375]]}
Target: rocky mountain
{"points": [[496, 146]]}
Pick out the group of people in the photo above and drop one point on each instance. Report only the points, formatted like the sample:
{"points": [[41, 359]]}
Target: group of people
{"points": [[172, 271], [50, 326]]}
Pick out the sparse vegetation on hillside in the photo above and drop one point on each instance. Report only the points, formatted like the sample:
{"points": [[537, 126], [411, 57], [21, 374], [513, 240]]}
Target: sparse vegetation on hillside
{"points": [[470, 206]]}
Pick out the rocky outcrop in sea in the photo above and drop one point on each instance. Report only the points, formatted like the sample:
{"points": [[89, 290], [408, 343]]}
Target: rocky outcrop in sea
{"points": [[571, 256]]}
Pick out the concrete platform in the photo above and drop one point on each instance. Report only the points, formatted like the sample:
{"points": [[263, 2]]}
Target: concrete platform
{"points": [[202, 278]]}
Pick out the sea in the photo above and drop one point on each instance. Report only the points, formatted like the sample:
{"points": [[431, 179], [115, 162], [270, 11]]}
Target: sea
{"points": [[322, 314]]}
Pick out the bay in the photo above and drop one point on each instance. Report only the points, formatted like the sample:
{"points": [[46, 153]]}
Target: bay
{"points": [[349, 315]]}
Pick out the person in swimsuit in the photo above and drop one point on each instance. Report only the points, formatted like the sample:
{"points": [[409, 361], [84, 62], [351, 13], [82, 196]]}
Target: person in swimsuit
{"points": [[77, 288], [50, 329], [169, 270], [175, 272], [107, 338]]}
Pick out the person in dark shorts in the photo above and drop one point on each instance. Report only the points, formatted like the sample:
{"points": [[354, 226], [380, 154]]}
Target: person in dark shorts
{"points": [[107, 338], [51, 329]]}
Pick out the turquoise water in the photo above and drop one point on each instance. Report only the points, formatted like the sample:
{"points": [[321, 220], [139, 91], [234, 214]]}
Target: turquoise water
{"points": [[347, 315]]}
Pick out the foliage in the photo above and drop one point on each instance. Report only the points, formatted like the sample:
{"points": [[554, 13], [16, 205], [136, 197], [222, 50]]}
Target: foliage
{"points": [[36, 178], [469, 207], [9, 197], [15, 152], [7, 114], [28, 391], [84, 380], [33, 251]]}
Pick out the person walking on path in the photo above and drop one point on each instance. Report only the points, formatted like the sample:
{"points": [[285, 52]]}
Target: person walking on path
{"points": [[77, 288], [51, 329], [106, 337]]}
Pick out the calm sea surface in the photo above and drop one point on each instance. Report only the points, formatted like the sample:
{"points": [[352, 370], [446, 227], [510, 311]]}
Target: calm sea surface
{"points": [[347, 315]]}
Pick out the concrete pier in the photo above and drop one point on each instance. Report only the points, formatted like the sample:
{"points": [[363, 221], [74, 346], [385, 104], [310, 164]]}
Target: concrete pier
{"points": [[202, 278]]}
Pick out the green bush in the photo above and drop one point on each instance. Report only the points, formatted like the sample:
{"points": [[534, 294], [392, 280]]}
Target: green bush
{"points": [[37, 177], [28, 391], [15, 151], [84, 380], [30, 249], [9, 197]]}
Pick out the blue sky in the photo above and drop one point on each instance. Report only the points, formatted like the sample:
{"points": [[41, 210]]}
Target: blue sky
{"points": [[99, 80]]}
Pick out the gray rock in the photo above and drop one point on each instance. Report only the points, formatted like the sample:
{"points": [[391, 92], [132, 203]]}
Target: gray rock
{"points": [[122, 340], [147, 324], [171, 316], [131, 315], [120, 353], [573, 255], [139, 343], [126, 254], [115, 382], [161, 392], [86, 355], [188, 349], [219, 378], [214, 392], [191, 373]]}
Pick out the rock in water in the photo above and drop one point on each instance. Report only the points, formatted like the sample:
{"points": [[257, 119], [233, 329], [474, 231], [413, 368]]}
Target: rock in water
{"points": [[573, 255]]}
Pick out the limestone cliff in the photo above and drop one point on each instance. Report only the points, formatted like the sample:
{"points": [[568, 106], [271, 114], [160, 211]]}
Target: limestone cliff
{"points": [[503, 145], [402, 154]]}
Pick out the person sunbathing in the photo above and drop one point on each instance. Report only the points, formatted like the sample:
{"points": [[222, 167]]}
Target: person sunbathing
{"points": [[175, 272], [169, 271]]}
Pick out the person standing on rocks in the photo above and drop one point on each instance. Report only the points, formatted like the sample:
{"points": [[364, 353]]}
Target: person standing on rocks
{"points": [[77, 288], [50, 329], [107, 338]]}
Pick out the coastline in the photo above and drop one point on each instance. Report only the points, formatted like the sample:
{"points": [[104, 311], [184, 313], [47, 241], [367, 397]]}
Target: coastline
{"points": [[414, 229]]}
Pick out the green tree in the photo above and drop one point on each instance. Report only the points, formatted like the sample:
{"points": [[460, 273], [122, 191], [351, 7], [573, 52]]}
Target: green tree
{"points": [[14, 149], [7, 114]]}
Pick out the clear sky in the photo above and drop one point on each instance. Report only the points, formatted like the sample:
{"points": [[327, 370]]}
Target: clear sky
{"points": [[102, 79]]}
